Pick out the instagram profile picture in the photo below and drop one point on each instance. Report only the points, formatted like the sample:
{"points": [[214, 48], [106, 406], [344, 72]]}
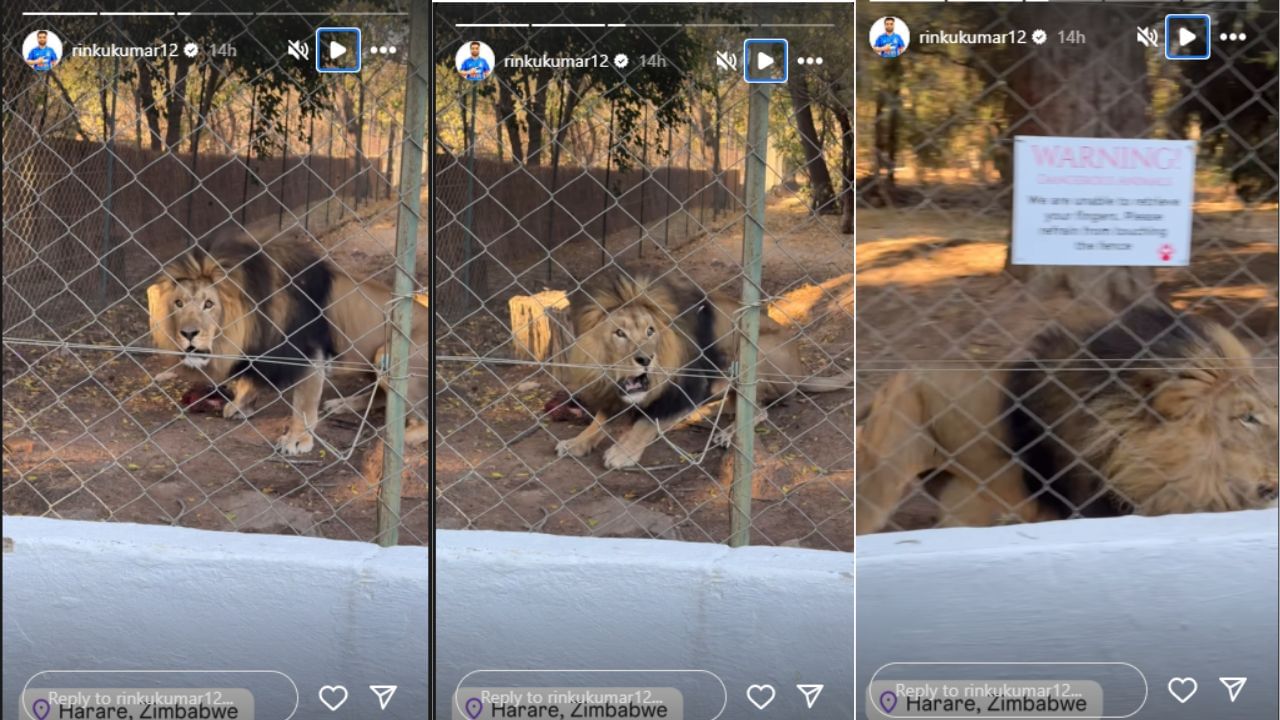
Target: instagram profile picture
{"points": [[42, 50], [889, 37], [474, 61]]}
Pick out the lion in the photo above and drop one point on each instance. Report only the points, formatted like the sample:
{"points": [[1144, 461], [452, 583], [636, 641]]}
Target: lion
{"points": [[657, 352], [279, 317], [1148, 413]]}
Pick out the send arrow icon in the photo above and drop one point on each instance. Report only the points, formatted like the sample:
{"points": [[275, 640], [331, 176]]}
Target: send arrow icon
{"points": [[811, 693], [1233, 685], [384, 693]]}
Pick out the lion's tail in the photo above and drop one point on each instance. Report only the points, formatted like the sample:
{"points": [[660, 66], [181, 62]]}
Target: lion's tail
{"points": [[833, 383]]}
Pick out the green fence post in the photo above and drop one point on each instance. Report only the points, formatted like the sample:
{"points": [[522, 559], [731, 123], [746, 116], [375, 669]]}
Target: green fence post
{"points": [[749, 322], [410, 213]]}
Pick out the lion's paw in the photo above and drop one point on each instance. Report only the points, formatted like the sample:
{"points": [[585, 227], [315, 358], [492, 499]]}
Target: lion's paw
{"points": [[235, 411], [723, 438], [619, 456], [292, 443], [571, 448], [338, 406]]}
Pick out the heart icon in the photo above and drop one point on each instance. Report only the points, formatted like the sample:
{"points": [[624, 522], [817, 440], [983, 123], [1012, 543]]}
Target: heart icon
{"points": [[1183, 688], [761, 695], [329, 695]]}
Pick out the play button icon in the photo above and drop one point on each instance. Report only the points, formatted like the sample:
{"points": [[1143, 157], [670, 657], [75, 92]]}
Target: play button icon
{"points": [[765, 60], [1187, 37], [338, 50]]}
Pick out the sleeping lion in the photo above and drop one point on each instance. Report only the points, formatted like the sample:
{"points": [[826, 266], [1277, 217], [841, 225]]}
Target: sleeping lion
{"points": [[1150, 413], [656, 352], [275, 318]]}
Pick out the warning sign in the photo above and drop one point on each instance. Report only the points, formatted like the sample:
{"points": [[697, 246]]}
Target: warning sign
{"points": [[1093, 201]]}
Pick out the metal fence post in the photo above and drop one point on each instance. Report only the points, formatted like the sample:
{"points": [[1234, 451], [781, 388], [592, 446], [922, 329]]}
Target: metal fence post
{"points": [[608, 193], [107, 247], [468, 222], [248, 156], [415, 121], [749, 323], [311, 170], [645, 173], [666, 224], [284, 164]]}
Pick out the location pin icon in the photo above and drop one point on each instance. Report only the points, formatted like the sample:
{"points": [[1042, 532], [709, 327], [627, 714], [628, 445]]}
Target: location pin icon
{"points": [[474, 706], [40, 708], [888, 701]]}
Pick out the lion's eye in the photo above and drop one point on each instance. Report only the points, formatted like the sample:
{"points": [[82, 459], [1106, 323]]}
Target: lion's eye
{"points": [[1249, 419], [208, 304], [620, 334], [651, 331], [177, 303]]}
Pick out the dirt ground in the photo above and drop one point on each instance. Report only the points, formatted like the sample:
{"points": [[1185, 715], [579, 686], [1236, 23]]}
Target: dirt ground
{"points": [[496, 465], [931, 288]]}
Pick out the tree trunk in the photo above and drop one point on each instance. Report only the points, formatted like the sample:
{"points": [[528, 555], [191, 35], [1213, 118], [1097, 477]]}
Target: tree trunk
{"points": [[177, 105], [847, 166], [212, 80], [507, 115], [538, 117], [815, 166], [1056, 92], [147, 93]]}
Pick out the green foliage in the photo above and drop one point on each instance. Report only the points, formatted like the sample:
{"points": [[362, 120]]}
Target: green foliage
{"points": [[542, 92], [260, 61]]}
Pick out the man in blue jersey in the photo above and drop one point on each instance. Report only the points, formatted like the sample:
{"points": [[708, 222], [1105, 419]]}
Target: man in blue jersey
{"points": [[42, 58], [475, 68], [890, 44]]}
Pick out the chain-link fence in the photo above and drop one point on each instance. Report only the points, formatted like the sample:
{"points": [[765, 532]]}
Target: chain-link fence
{"points": [[611, 200], [975, 411], [154, 133]]}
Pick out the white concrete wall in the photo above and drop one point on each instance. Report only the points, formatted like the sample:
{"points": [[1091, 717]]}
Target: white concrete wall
{"points": [[1190, 595], [81, 595], [751, 615], [106, 595]]}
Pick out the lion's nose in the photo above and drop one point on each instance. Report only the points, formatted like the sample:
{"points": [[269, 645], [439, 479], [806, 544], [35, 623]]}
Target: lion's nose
{"points": [[190, 334], [642, 361], [1268, 491]]}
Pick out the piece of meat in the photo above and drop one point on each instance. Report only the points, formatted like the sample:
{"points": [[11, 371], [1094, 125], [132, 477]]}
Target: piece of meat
{"points": [[563, 408], [202, 398]]}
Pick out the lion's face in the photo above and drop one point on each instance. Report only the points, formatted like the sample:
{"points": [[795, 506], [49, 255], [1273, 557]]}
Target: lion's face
{"points": [[195, 315], [631, 345], [1214, 448]]}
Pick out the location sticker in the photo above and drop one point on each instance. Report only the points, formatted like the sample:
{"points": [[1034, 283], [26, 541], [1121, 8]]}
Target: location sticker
{"points": [[41, 708], [888, 701], [474, 706]]}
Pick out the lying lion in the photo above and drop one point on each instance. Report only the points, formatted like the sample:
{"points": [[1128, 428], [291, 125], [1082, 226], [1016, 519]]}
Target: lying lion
{"points": [[657, 353], [1150, 413], [277, 318]]}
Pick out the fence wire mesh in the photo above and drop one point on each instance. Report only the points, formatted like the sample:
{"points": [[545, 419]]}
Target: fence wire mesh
{"points": [[957, 426], [117, 164], [553, 179]]}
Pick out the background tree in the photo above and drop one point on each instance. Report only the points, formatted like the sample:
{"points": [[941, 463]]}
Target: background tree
{"points": [[1235, 107]]}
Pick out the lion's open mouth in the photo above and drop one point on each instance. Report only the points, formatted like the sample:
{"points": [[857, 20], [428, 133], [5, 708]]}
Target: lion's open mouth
{"points": [[634, 386], [195, 358]]}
